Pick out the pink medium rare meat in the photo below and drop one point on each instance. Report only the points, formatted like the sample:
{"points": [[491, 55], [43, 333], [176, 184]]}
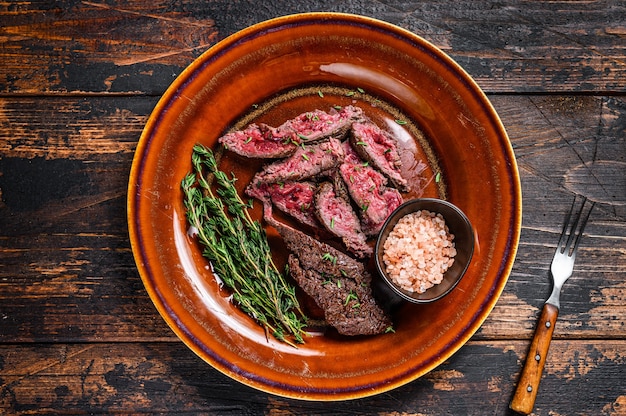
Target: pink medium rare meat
{"points": [[366, 187], [263, 141], [337, 216], [260, 141], [379, 148], [295, 199], [317, 125], [307, 162]]}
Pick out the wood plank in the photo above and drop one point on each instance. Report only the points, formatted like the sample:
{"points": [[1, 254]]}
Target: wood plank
{"points": [[167, 378], [141, 46], [552, 138], [88, 129], [64, 276], [98, 47]]}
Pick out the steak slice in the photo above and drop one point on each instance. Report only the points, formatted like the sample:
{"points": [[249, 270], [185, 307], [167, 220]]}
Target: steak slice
{"points": [[263, 141], [348, 305], [380, 149], [295, 199], [323, 258], [366, 187], [337, 216], [260, 141], [317, 125], [306, 162], [387, 200]]}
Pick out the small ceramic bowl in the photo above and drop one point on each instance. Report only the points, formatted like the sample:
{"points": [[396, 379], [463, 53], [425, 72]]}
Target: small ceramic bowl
{"points": [[458, 225]]}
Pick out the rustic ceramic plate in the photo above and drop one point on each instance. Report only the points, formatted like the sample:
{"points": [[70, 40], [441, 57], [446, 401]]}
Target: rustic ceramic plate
{"points": [[454, 147]]}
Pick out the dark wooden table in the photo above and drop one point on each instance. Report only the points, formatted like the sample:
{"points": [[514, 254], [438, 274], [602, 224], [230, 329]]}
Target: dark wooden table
{"points": [[78, 80]]}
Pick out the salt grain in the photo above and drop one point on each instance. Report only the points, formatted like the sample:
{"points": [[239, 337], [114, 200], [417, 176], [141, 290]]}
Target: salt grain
{"points": [[418, 251]]}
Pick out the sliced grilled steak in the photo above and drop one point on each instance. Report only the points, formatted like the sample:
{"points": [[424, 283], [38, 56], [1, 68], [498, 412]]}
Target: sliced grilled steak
{"points": [[315, 255], [380, 149], [387, 200], [260, 141], [367, 188], [337, 216], [293, 198], [263, 141], [348, 305], [317, 125], [306, 162]]}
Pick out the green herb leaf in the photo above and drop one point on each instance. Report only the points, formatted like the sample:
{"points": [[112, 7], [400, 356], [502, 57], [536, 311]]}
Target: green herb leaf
{"points": [[329, 257]]}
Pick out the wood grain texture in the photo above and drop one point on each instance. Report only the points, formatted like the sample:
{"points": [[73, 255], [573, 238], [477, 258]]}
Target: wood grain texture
{"points": [[78, 80], [166, 378], [141, 46]]}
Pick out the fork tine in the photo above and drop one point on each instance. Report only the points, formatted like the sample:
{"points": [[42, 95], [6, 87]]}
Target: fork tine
{"points": [[560, 245], [583, 224], [574, 232]]}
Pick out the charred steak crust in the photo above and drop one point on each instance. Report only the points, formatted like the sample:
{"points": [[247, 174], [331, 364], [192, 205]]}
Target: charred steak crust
{"points": [[378, 147], [348, 306], [337, 216], [315, 255], [339, 285]]}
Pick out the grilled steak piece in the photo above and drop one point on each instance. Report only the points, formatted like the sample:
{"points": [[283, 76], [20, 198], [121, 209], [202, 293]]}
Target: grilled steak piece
{"points": [[367, 188], [317, 125], [337, 216], [348, 305], [306, 162], [339, 284], [263, 141], [315, 255], [260, 141], [387, 200], [295, 199], [380, 149]]}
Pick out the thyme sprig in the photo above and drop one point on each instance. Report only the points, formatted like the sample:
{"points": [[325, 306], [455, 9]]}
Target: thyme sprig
{"points": [[238, 249]]}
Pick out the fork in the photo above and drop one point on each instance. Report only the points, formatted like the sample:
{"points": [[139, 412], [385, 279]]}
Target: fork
{"points": [[561, 269]]}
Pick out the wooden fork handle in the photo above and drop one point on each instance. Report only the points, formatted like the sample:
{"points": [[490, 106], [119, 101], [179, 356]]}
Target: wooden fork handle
{"points": [[528, 385]]}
